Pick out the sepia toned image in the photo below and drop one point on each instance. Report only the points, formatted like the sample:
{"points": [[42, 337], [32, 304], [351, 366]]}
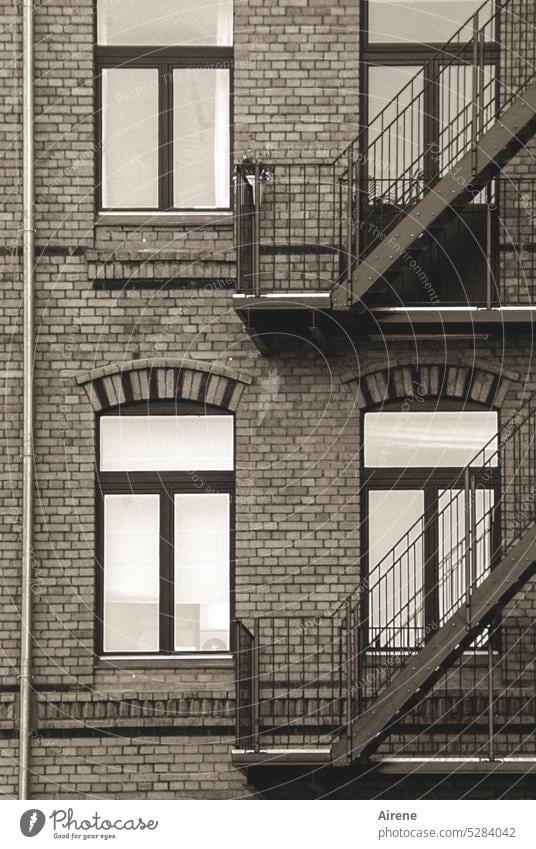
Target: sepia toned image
{"points": [[268, 514]]}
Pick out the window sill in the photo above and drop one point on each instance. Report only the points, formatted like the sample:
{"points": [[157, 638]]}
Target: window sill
{"points": [[190, 661], [216, 218]]}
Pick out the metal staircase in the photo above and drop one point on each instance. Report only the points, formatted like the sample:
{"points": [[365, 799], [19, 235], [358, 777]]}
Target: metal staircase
{"points": [[323, 236], [330, 689]]}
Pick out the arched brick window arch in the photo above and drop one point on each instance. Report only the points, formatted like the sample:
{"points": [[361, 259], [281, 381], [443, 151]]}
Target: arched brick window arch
{"points": [[428, 382], [420, 426], [165, 506], [164, 379]]}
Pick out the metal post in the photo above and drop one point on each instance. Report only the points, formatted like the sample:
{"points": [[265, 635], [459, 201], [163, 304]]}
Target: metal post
{"points": [[237, 646], [468, 546], [257, 231], [350, 223], [25, 672], [491, 717], [489, 245], [238, 225], [473, 535], [481, 83], [255, 687], [349, 717], [474, 102], [358, 668]]}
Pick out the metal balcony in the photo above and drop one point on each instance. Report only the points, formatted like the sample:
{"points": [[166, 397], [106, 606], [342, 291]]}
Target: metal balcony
{"points": [[343, 687], [415, 215]]}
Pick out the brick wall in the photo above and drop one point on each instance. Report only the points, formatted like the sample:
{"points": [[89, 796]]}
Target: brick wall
{"points": [[298, 518]]}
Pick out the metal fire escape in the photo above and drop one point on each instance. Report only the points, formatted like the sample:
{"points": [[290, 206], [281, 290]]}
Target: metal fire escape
{"points": [[317, 240], [330, 689]]}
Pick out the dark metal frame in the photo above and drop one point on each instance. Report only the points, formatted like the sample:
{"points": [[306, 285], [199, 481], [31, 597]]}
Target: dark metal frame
{"points": [[166, 485], [429, 481], [164, 60]]}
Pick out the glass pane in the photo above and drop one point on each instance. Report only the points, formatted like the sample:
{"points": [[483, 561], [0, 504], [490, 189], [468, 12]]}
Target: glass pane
{"points": [[201, 138], [165, 22], [422, 21], [395, 568], [131, 573], [202, 573], [452, 549], [396, 138], [430, 440], [166, 443], [129, 138]]}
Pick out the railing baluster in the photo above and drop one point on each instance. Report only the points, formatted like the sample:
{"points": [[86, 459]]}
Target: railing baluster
{"points": [[349, 223], [349, 681], [491, 697], [257, 232], [256, 686]]}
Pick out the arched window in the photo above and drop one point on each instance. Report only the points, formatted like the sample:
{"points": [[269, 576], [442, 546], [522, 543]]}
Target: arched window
{"points": [[415, 514], [165, 474]]}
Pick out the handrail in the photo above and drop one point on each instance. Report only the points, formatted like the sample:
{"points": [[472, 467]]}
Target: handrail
{"points": [[333, 664], [441, 51]]}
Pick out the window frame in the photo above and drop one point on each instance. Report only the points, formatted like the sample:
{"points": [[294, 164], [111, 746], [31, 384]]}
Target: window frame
{"points": [[430, 480], [385, 54], [165, 485], [164, 60]]}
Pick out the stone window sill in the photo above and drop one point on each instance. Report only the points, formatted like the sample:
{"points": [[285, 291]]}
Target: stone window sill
{"points": [[214, 218], [202, 661]]}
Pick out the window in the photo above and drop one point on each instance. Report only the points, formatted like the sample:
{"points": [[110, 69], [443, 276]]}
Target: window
{"points": [[420, 135], [165, 483], [415, 508], [164, 87], [423, 21]]}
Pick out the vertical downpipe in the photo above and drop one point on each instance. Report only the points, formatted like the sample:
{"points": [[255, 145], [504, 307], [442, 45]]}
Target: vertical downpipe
{"points": [[25, 672]]}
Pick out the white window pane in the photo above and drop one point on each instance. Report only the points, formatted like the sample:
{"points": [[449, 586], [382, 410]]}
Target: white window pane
{"points": [[434, 439], [201, 138], [422, 21], [165, 22], [395, 567], [166, 443], [452, 549], [131, 573], [202, 572], [129, 138]]}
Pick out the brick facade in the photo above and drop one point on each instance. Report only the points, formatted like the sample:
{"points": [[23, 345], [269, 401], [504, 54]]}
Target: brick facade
{"points": [[126, 313]]}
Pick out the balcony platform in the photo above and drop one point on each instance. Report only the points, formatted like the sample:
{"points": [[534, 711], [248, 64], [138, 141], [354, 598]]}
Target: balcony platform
{"points": [[320, 756], [310, 315], [448, 766]]}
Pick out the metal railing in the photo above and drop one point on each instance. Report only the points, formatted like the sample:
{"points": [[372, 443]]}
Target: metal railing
{"points": [[305, 225], [304, 678], [484, 706], [474, 523]]}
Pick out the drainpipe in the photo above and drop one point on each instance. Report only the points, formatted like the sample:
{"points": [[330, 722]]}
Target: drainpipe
{"points": [[25, 672]]}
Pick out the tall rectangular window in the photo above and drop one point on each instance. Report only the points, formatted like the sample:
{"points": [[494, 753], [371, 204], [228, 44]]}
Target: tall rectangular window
{"points": [[166, 485], [164, 86], [416, 517], [422, 21]]}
